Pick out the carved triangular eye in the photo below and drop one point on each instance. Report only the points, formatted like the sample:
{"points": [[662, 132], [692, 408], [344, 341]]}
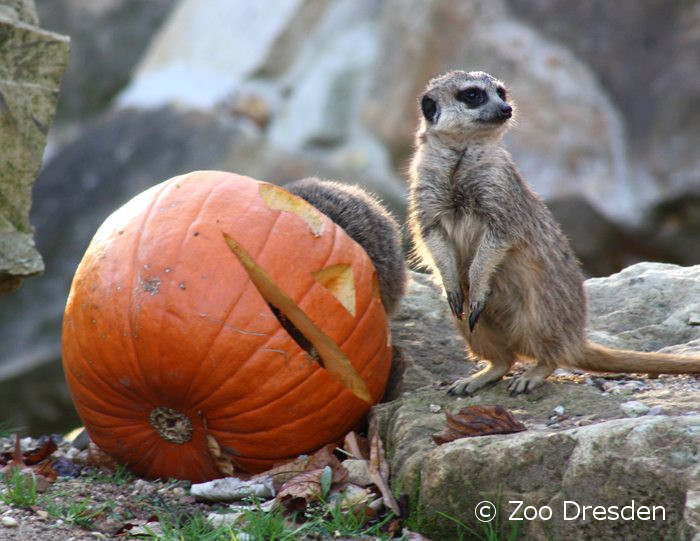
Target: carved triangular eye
{"points": [[340, 281]]}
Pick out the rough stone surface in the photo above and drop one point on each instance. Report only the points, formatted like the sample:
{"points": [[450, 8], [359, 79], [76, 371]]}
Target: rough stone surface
{"points": [[580, 446], [32, 62], [107, 39]]}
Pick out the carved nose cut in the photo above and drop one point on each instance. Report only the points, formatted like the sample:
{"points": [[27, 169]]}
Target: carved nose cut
{"points": [[506, 111]]}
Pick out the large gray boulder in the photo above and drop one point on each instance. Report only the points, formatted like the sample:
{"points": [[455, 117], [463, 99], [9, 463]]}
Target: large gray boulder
{"points": [[580, 446], [107, 39], [32, 62]]}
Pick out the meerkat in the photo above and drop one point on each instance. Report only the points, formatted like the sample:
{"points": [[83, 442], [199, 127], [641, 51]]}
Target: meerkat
{"points": [[368, 223], [494, 245]]}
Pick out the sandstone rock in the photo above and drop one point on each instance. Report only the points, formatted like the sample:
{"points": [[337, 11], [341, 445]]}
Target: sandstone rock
{"points": [[646, 307], [32, 62], [589, 453], [19, 10]]}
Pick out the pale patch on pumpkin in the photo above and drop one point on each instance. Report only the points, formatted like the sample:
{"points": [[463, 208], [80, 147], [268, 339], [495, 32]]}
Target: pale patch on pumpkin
{"points": [[340, 281], [222, 460], [334, 360], [280, 199]]}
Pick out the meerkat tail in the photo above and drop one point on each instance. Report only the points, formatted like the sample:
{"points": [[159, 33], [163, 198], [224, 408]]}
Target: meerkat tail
{"points": [[599, 358]]}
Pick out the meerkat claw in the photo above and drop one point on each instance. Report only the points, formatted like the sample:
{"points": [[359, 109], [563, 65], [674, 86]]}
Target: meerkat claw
{"points": [[456, 301], [475, 309]]}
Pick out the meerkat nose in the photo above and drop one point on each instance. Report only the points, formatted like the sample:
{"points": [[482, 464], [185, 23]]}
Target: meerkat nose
{"points": [[506, 111]]}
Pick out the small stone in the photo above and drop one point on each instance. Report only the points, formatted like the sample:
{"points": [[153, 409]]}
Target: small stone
{"points": [[9, 522], [694, 319], [559, 410], [634, 408], [435, 408], [655, 410], [178, 492]]}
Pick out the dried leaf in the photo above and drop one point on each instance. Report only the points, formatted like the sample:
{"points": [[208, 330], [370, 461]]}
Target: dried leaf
{"points": [[305, 486], [282, 473], [379, 473], [356, 446], [223, 459], [322, 458], [42, 453], [475, 421]]}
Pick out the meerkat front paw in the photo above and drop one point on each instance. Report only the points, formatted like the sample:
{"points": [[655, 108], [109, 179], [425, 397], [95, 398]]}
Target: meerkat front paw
{"points": [[456, 301], [475, 309]]}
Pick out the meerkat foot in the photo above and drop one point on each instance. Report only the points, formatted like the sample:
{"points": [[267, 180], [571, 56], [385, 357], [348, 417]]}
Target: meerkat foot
{"points": [[468, 386], [531, 379]]}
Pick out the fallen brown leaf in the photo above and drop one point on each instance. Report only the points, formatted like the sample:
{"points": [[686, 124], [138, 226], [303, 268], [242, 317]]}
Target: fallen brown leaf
{"points": [[356, 446], [379, 473], [473, 421], [223, 458]]}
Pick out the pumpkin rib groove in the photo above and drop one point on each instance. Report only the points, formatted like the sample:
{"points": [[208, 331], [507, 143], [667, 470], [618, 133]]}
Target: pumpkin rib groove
{"points": [[133, 277], [280, 330], [97, 380], [201, 208], [230, 311]]}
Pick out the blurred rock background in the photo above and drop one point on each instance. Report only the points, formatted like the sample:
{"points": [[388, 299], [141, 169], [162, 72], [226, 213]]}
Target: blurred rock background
{"points": [[608, 129]]}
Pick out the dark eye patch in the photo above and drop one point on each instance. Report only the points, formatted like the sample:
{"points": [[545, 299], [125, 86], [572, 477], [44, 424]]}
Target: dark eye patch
{"points": [[502, 93], [472, 96]]}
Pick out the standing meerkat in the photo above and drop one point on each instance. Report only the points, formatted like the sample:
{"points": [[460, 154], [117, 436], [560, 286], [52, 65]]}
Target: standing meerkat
{"points": [[496, 247]]}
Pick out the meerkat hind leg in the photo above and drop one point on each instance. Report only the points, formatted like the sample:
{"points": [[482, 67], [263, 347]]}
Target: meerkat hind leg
{"points": [[485, 344], [532, 378]]}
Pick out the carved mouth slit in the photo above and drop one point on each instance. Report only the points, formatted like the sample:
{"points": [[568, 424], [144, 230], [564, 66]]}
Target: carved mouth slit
{"points": [[296, 335], [300, 326]]}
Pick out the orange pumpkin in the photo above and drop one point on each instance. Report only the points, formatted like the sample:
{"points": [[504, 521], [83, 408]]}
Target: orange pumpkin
{"points": [[216, 321]]}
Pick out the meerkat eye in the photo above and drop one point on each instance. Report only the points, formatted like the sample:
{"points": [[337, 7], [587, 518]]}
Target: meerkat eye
{"points": [[472, 97], [502, 93]]}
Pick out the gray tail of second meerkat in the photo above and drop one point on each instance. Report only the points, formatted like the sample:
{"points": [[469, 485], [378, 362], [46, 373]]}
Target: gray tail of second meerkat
{"points": [[368, 223], [599, 358]]}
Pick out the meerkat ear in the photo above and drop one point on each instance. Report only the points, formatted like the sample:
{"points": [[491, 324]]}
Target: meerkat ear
{"points": [[430, 108]]}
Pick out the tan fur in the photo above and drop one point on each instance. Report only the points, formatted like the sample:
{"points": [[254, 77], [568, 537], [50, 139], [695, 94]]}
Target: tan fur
{"points": [[497, 249]]}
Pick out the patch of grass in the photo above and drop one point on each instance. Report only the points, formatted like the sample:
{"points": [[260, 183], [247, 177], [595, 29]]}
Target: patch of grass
{"points": [[120, 476], [6, 430], [81, 513], [20, 489], [191, 528], [487, 531]]}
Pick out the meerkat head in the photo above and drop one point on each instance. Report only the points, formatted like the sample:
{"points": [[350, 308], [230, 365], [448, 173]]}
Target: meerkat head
{"points": [[462, 105]]}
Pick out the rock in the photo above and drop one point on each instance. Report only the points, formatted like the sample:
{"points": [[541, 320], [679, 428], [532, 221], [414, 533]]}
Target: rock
{"points": [[646, 307], [651, 460], [591, 455], [32, 62], [232, 488], [427, 347], [19, 10], [9, 522], [634, 408], [107, 39]]}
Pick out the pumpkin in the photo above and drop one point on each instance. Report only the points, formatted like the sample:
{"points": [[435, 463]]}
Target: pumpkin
{"points": [[217, 323]]}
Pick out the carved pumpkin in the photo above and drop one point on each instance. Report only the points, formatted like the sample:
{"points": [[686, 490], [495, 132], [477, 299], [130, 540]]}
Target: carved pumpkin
{"points": [[219, 321]]}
